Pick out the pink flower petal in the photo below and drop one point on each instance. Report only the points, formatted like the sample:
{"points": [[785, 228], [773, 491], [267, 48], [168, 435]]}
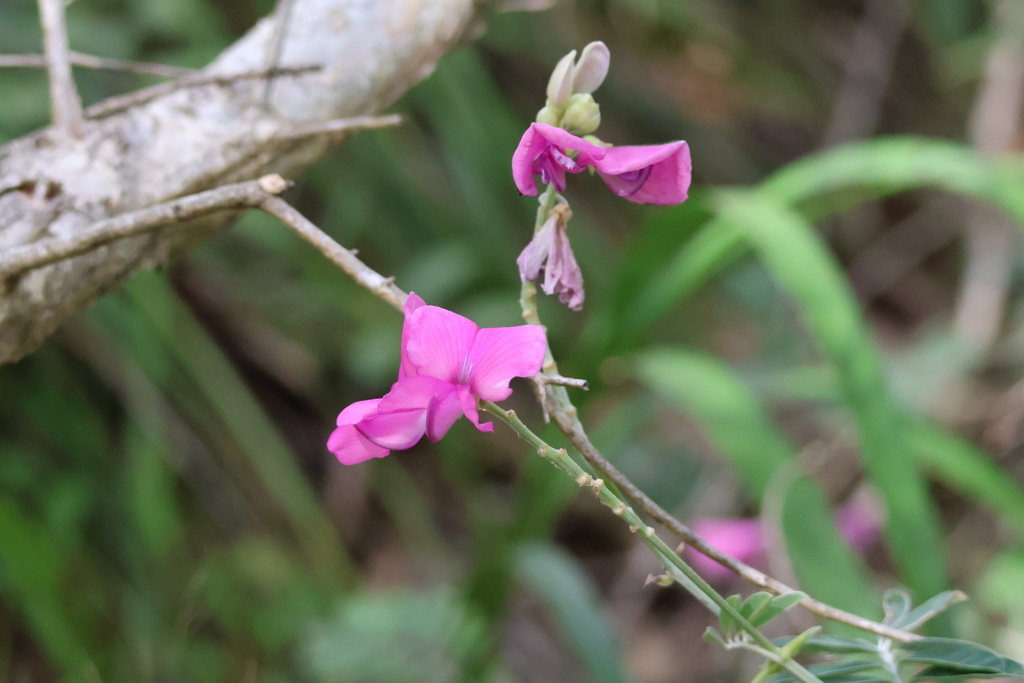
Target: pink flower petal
{"points": [[562, 275], [741, 538], [653, 174], [350, 447], [412, 303], [468, 402], [501, 353], [537, 141], [402, 415], [439, 342], [444, 410], [346, 443]]}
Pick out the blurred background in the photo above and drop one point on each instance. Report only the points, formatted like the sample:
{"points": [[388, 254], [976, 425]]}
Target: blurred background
{"points": [[842, 331]]}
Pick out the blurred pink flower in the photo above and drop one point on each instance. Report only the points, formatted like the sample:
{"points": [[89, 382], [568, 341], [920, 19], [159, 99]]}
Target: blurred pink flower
{"points": [[447, 364], [858, 523], [550, 251], [652, 174]]}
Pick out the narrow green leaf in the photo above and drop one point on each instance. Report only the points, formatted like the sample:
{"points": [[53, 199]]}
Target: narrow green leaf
{"points": [[928, 609], [959, 655], [572, 598], [799, 260], [713, 636], [776, 606], [726, 623], [754, 604], [845, 672], [833, 644]]}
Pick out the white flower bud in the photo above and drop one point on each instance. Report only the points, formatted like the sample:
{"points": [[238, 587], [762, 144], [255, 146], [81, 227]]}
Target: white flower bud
{"points": [[582, 115], [560, 84], [592, 68]]}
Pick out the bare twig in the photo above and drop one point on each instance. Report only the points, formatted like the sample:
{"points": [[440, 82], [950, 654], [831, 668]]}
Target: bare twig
{"points": [[94, 62], [113, 105], [65, 104], [571, 427], [275, 48], [342, 126], [239, 196], [255, 194]]}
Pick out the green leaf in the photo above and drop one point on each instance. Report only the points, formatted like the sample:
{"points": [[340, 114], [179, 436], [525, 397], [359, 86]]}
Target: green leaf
{"points": [[775, 607], [563, 587], [896, 603], [833, 644], [959, 655], [725, 620], [934, 674], [754, 603], [845, 672], [713, 636], [804, 267], [928, 609], [709, 390]]}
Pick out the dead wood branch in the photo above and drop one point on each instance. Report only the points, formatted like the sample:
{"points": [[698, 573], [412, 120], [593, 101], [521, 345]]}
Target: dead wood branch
{"points": [[192, 135]]}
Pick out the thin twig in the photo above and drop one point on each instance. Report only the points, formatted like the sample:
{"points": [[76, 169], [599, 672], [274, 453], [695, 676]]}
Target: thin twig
{"points": [[94, 62], [341, 126], [570, 426], [255, 194], [275, 48], [121, 102], [15, 261], [65, 104]]}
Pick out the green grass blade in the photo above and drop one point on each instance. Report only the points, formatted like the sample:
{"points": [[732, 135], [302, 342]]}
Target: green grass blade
{"points": [[709, 391], [806, 270], [572, 598], [866, 170]]}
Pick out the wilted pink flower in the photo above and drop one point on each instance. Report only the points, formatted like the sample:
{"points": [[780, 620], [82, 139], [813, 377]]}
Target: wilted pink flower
{"points": [[549, 250], [447, 364], [653, 174]]}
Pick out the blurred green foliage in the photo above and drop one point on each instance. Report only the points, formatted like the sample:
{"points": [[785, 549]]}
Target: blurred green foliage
{"points": [[168, 511]]}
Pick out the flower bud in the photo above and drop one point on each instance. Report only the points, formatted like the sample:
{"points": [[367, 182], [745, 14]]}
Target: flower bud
{"points": [[582, 115], [592, 68], [548, 116], [560, 84]]}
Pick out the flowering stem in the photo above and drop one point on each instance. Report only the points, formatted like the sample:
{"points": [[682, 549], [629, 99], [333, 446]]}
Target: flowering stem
{"points": [[678, 568], [556, 403]]}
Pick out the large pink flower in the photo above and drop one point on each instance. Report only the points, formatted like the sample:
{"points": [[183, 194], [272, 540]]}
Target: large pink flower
{"points": [[447, 364], [651, 174]]}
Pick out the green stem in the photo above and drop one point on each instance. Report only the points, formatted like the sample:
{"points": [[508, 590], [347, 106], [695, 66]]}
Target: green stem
{"points": [[560, 459], [793, 667]]}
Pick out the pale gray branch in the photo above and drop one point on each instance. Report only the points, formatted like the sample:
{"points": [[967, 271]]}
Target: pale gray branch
{"points": [[342, 59], [65, 104]]}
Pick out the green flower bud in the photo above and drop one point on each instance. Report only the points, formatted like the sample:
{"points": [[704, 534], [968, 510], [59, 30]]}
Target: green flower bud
{"points": [[548, 116], [582, 115]]}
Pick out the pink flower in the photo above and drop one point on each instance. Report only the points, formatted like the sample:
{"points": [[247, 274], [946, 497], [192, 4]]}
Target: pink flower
{"points": [[549, 250], [653, 174], [858, 524], [447, 364]]}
